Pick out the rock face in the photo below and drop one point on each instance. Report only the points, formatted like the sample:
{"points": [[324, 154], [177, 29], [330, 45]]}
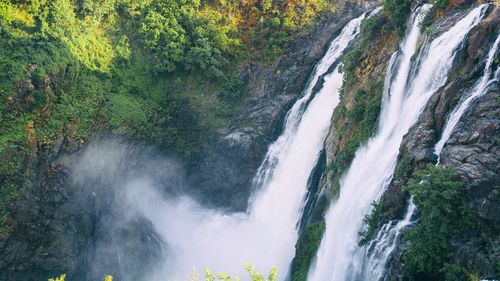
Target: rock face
{"points": [[77, 227], [472, 151], [71, 219], [223, 178]]}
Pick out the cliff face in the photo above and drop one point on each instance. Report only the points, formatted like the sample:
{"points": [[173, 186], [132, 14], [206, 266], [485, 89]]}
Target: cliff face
{"points": [[472, 149], [60, 226], [229, 164]]}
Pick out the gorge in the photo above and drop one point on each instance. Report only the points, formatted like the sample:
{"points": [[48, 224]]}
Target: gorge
{"points": [[332, 140]]}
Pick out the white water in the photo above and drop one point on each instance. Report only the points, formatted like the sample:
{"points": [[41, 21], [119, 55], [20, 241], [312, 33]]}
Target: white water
{"points": [[381, 247], [480, 88], [374, 163], [267, 233]]}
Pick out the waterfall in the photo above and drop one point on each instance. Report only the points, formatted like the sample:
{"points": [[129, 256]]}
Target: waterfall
{"points": [[480, 88], [381, 247], [378, 252], [374, 163], [266, 234]]}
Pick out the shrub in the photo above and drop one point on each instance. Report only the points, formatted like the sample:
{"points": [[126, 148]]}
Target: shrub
{"points": [[306, 248], [398, 11], [440, 197], [372, 222], [60, 278], [182, 37], [441, 3]]}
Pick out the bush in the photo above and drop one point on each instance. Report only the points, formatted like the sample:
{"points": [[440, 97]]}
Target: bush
{"points": [[306, 248], [209, 276], [440, 198], [398, 11], [372, 27], [372, 222], [183, 38], [441, 3]]}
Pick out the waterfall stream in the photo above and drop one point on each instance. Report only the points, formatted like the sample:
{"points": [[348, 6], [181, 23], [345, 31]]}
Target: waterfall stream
{"points": [[266, 234], [381, 247], [374, 163], [479, 89]]}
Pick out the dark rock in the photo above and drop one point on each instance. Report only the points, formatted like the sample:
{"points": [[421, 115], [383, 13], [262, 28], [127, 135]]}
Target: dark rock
{"points": [[224, 177], [78, 227], [472, 151]]}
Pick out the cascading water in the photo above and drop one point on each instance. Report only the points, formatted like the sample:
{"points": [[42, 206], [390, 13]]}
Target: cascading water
{"points": [[480, 88], [267, 233], [378, 252], [374, 163], [381, 247], [371, 260]]}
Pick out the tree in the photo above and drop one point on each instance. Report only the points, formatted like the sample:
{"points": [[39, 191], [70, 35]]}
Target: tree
{"points": [[398, 11], [440, 197]]}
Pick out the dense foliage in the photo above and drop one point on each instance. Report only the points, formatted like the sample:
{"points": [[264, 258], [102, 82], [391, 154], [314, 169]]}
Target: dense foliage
{"points": [[372, 223], [398, 11], [164, 71], [254, 276], [306, 248], [179, 34], [445, 216]]}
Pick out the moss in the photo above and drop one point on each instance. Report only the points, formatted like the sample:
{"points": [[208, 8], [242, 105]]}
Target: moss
{"points": [[306, 249]]}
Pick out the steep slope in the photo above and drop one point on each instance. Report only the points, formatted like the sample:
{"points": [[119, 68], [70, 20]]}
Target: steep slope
{"points": [[471, 151], [59, 105]]}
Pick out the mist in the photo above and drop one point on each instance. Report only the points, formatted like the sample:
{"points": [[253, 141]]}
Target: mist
{"points": [[140, 184], [194, 237]]}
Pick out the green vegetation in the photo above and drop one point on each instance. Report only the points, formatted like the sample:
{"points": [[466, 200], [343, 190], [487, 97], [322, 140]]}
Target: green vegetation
{"points": [[441, 3], [398, 11], [306, 249], [441, 200], [60, 278], [254, 276], [372, 222], [370, 29], [209, 276], [403, 166], [162, 71], [183, 34], [355, 125], [428, 19]]}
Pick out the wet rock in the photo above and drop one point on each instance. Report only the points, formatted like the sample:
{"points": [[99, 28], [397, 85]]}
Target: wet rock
{"points": [[224, 176], [472, 150]]}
